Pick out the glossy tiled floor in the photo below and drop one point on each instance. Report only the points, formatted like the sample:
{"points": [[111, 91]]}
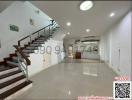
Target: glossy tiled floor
{"points": [[71, 79]]}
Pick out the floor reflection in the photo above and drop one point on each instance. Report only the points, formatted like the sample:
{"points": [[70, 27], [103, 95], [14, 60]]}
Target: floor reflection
{"points": [[70, 79], [91, 71]]}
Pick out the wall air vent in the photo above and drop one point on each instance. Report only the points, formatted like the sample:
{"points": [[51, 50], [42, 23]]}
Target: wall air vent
{"points": [[76, 41], [37, 11], [90, 37], [90, 40]]}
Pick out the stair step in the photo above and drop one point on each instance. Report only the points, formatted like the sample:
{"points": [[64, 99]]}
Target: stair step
{"points": [[3, 68], [14, 90], [8, 70], [6, 88], [15, 59], [13, 54], [27, 55], [42, 37], [38, 42], [35, 45], [10, 76], [28, 51], [11, 81], [11, 63], [31, 48]]}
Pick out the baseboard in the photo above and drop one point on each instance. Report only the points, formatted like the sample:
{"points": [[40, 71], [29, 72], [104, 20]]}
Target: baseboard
{"points": [[30, 76], [112, 68], [18, 93]]}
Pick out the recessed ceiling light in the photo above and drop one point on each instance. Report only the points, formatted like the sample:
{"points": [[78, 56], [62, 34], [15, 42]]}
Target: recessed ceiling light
{"points": [[86, 5], [68, 23], [69, 92], [87, 30], [112, 14], [68, 33]]}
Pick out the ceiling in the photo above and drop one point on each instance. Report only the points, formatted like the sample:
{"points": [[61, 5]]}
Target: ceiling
{"points": [[96, 19], [4, 5]]}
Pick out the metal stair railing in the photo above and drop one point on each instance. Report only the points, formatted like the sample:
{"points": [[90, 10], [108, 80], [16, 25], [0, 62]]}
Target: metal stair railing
{"points": [[23, 61], [49, 27]]}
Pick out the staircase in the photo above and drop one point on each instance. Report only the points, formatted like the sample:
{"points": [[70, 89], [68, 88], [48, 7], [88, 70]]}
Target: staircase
{"points": [[13, 76]]}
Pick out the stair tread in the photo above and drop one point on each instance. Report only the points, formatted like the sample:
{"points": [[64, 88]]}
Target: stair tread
{"points": [[11, 81], [4, 68], [12, 63], [38, 42], [26, 54], [10, 74], [31, 48], [15, 59], [42, 37], [15, 89], [28, 51], [34, 44]]}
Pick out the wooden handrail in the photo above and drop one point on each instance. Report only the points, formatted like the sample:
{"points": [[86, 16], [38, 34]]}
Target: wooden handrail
{"points": [[35, 32], [23, 39], [41, 29], [22, 54]]}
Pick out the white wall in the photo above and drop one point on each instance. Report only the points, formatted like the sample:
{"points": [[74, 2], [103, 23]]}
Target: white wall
{"points": [[115, 46], [45, 56], [67, 43], [59, 35], [19, 14], [49, 54]]}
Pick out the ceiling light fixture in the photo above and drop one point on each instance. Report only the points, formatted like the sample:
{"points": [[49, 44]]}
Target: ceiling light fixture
{"points": [[68, 33], [86, 5], [68, 23], [69, 92], [87, 30], [112, 14]]}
